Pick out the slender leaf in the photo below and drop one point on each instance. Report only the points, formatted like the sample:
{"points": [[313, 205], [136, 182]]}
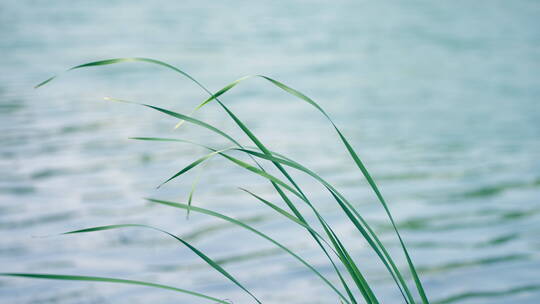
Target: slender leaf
{"points": [[203, 256], [109, 280], [250, 228], [265, 151]]}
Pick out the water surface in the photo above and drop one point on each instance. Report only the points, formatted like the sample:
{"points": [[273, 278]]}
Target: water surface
{"points": [[439, 98]]}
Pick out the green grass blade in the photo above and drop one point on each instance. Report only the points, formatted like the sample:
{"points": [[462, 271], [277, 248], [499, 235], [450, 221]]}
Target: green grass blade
{"points": [[284, 197], [273, 81], [275, 182], [352, 153], [203, 256], [45, 82], [316, 236], [189, 167], [119, 60], [289, 203], [349, 210], [222, 91], [368, 177], [194, 186], [172, 140], [278, 209], [347, 263], [109, 280], [183, 117], [193, 165], [373, 185], [265, 151], [294, 192], [287, 187], [238, 162], [289, 216], [352, 268], [122, 60], [355, 217], [250, 228]]}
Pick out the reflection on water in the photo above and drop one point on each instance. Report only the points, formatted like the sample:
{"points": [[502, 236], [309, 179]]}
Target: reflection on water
{"points": [[441, 100]]}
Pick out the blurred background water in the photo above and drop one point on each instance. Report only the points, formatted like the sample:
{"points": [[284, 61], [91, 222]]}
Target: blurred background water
{"points": [[440, 98]]}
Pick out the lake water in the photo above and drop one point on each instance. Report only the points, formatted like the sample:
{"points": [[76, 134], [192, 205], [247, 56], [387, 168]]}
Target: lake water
{"points": [[441, 100]]}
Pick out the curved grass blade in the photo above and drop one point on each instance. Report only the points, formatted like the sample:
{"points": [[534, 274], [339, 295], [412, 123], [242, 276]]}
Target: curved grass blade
{"points": [[287, 89], [183, 117], [177, 115], [349, 210], [278, 209], [349, 148], [355, 218], [203, 256], [190, 119], [194, 186], [286, 199], [121, 60], [239, 163], [360, 280], [109, 280], [290, 217], [250, 228], [279, 182], [281, 193], [193, 165], [220, 152], [352, 153], [356, 275]]}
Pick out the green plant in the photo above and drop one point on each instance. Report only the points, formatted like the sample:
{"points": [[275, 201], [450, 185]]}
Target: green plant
{"points": [[287, 188]]}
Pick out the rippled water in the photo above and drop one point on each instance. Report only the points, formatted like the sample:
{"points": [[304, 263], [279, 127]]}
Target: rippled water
{"points": [[440, 99]]}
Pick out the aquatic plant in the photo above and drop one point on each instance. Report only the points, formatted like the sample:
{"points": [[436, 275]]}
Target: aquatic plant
{"points": [[353, 286]]}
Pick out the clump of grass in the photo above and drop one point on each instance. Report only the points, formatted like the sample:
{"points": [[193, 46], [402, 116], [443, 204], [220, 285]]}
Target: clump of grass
{"points": [[353, 287]]}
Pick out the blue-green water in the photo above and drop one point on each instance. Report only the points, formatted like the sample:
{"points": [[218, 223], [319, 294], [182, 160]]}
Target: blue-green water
{"points": [[439, 98]]}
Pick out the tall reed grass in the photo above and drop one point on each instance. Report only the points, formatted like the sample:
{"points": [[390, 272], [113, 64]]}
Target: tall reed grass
{"points": [[349, 284]]}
